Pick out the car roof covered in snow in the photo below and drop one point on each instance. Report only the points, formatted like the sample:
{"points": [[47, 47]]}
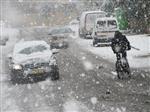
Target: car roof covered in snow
{"points": [[105, 18], [59, 29], [24, 44], [89, 12]]}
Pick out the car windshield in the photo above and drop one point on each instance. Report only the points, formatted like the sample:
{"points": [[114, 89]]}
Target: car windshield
{"points": [[112, 24], [101, 24], [61, 31], [33, 49]]}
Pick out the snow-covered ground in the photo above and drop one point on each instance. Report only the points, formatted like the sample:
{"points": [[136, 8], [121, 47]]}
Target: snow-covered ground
{"points": [[4, 50], [71, 105], [136, 58]]}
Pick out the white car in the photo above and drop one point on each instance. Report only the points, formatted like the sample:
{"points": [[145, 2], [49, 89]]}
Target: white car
{"points": [[32, 60], [104, 30]]}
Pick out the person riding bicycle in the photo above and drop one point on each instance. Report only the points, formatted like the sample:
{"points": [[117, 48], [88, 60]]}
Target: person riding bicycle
{"points": [[120, 44]]}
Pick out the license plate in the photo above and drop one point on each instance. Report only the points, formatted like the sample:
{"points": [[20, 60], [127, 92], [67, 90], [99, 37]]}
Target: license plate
{"points": [[107, 35], [102, 34], [37, 71]]}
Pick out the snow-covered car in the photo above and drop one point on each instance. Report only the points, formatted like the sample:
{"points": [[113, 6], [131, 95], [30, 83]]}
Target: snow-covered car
{"points": [[33, 60], [104, 30], [59, 37]]}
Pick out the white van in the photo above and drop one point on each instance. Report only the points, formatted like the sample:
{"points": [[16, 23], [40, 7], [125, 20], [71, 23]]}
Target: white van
{"points": [[104, 30], [87, 20]]}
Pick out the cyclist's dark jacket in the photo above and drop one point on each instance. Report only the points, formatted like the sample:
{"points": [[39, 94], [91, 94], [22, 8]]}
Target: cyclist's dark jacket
{"points": [[121, 41]]}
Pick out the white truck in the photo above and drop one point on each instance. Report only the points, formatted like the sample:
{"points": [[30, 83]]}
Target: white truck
{"points": [[104, 30], [86, 22]]}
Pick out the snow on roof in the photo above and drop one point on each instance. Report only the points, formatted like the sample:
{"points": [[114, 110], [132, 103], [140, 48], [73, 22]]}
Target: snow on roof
{"points": [[87, 12], [105, 18], [24, 44]]}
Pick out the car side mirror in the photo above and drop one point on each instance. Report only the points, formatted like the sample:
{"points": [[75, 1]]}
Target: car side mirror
{"points": [[55, 51]]}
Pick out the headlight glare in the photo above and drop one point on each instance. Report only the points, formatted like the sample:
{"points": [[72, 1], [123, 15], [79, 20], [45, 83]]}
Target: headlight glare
{"points": [[17, 67]]}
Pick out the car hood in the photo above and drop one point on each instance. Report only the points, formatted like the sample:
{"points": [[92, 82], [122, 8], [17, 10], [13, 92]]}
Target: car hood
{"points": [[38, 57]]}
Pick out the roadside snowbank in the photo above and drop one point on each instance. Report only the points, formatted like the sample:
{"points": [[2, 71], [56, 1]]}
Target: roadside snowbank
{"points": [[8, 104], [5, 50]]}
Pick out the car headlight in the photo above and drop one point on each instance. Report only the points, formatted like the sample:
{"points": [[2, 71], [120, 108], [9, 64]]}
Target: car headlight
{"points": [[17, 67]]}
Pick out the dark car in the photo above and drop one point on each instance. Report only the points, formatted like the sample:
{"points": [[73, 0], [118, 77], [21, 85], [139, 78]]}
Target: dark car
{"points": [[59, 37], [32, 60]]}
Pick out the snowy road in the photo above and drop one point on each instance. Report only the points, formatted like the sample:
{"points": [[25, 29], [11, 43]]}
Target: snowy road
{"points": [[87, 83]]}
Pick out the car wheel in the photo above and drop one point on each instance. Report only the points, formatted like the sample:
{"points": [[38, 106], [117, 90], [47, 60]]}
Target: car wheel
{"points": [[94, 43], [65, 46], [3, 43], [14, 79], [55, 73], [82, 36]]}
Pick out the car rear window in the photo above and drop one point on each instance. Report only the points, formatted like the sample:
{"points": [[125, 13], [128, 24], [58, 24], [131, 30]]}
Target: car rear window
{"points": [[112, 23], [61, 31], [101, 23]]}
